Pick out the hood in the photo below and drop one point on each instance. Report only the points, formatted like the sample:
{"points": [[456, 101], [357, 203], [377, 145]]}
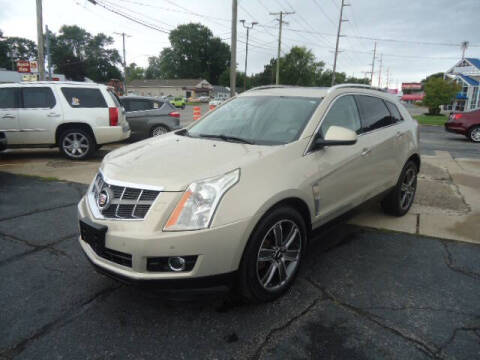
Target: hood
{"points": [[174, 162]]}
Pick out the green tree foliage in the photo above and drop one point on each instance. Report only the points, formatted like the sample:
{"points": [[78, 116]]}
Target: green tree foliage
{"points": [[16, 48], [194, 53], [439, 91], [77, 54], [135, 72]]}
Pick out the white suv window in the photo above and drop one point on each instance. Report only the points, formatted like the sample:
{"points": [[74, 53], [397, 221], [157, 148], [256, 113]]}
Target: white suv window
{"points": [[343, 113], [84, 97], [8, 98], [38, 97]]}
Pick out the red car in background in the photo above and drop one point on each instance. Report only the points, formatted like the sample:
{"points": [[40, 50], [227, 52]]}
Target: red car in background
{"points": [[465, 123]]}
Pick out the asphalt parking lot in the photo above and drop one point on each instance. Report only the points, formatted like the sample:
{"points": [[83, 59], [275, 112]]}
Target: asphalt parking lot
{"points": [[434, 138], [360, 294]]}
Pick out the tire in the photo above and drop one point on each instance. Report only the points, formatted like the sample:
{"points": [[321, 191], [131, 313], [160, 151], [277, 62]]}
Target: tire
{"points": [[158, 130], [253, 284], [85, 144], [400, 199], [474, 134]]}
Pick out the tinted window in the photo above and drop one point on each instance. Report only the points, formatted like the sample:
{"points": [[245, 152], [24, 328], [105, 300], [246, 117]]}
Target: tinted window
{"points": [[343, 113], [374, 112], [396, 116], [264, 120], [8, 98], [38, 97], [157, 104], [140, 105], [84, 97]]}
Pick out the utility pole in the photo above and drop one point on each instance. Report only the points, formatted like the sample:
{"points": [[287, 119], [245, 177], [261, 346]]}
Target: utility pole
{"points": [[340, 20], [380, 72], [49, 59], [464, 47], [373, 63], [246, 50], [233, 47], [41, 58], [125, 92], [281, 22]]}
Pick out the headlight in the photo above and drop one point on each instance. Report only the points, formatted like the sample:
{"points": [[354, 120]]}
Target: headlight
{"points": [[195, 209]]}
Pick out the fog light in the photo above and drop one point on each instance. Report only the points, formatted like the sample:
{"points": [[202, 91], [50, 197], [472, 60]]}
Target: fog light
{"points": [[176, 263]]}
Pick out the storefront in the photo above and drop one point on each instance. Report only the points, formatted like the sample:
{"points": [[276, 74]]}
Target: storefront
{"points": [[467, 74]]}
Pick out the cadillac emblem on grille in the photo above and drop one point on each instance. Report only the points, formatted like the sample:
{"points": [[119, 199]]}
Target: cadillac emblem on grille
{"points": [[104, 197]]}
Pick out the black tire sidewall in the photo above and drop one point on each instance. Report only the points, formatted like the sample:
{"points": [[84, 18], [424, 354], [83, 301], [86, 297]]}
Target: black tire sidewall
{"points": [[250, 286], [91, 144]]}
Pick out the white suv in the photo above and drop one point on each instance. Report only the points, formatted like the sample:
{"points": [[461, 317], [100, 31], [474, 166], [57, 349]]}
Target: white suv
{"points": [[76, 117], [236, 195]]}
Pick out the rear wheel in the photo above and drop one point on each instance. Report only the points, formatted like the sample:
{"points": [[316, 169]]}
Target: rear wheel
{"points": [[400, 199], [273, 255], [76, 144], [474, 134], [158, 130]]}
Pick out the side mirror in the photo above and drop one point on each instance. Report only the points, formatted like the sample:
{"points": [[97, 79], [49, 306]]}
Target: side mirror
{"points": [[336, 135]]}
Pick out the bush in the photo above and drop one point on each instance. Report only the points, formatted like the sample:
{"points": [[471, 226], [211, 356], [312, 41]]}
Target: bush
{"points": [[438, 92]]}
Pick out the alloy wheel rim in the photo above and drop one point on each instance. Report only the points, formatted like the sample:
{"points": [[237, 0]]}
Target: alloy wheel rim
{"points": [[76, 145], [408, 188], [279, 254], [475, 134], [159, 131]]}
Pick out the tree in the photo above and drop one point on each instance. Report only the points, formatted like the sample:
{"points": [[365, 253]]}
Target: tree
{"points": [[16, 48], [194, 53], [439, 91], [77, 54], [135, 72], [299, 67]]}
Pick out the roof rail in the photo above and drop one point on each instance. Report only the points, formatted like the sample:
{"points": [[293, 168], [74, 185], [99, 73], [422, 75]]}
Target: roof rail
{"points": [[361, 86], [265, 87]]}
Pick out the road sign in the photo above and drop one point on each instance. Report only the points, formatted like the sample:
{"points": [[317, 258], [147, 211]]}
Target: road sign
{"points": [[23, 66], [34, 66]]}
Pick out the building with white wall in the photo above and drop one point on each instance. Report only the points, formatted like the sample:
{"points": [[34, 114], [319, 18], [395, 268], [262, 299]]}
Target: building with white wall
{"points": [[466, 73]]}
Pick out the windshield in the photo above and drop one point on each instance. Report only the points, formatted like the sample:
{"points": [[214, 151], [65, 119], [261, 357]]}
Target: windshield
{"points": [[263, 120]]}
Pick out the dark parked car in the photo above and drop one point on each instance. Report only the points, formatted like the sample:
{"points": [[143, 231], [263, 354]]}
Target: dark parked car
{"points": [[3, 141], [465, 123], [148, 116]]}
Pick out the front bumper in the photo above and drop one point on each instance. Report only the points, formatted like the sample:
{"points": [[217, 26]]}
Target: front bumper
{"points": [[455, 128], [218, 250]]}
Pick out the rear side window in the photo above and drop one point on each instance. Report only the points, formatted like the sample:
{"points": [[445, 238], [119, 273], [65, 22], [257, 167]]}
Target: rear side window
{"points": [[140, 105], [38, 97], [84, 97], [115, 98], [373, 112], [343, 113], [8, 98], [396, 116]]}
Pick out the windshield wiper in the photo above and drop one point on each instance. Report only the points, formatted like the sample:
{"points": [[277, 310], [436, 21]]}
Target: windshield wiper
{"points": [[227, 138]]}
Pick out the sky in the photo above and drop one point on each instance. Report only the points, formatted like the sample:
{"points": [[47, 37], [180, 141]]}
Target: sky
{"points": [[415, 38]]}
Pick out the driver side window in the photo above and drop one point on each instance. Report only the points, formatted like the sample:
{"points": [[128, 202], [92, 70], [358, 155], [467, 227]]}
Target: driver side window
{"points": [[343, 113]]}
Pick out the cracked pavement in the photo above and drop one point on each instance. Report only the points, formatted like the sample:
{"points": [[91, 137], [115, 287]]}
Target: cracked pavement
{"points": [[360, 294]]}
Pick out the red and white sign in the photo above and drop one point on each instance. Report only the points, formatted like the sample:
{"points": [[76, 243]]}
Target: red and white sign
{"points": [[23, 66], [34, 66], [411, 86]]}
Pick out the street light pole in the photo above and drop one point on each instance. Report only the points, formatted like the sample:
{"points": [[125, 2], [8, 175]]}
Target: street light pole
{"points": [[246, 50], [233, 47]]}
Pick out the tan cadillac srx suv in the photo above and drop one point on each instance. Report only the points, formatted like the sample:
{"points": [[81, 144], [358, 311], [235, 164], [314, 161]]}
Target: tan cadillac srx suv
{"points": [[232, 198]]}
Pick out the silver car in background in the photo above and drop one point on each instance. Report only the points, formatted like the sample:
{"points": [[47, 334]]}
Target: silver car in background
{"points": [[149, 116]]}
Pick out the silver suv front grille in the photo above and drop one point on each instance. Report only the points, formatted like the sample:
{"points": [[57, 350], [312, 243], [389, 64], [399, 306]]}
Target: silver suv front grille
{"points": [[119, 202]]}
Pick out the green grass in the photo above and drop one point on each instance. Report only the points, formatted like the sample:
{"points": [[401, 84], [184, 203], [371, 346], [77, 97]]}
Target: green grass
{"points": [[436, 120]]}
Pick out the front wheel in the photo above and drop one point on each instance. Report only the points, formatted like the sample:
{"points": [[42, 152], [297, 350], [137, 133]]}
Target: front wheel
{"points": [[273, 255], [400, 199], [76, 144], [474, 134]]}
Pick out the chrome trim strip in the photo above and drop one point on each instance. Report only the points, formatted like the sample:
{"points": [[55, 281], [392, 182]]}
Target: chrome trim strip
{"points": [[23, 130], [129, 184]]}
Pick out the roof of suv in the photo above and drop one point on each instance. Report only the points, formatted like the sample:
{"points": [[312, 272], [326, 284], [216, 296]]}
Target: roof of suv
{"points": [[290, 90], [69, 83]]}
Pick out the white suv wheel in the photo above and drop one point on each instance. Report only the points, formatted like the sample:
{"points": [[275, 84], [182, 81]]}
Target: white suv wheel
{"points": [[76, 144]]}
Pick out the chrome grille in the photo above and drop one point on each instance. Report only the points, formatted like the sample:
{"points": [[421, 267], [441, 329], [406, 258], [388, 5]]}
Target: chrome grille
{"points": [[123, 202]]}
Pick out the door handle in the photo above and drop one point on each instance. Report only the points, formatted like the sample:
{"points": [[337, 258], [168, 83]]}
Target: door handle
{"points": [[8, 116], [53, 115], [365, 152]]}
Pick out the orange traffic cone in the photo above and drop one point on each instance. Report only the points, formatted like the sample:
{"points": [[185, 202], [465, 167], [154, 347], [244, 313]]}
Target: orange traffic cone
{"points": [[196, 113]]}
